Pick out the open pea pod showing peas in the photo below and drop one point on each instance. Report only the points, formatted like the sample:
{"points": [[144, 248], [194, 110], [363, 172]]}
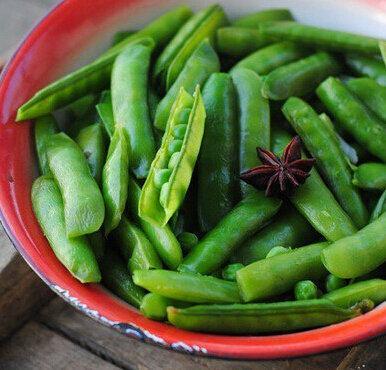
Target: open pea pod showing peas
{"points": [[172, 169]]}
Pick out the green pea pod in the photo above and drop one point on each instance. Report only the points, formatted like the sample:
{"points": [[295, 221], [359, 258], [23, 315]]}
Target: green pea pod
{"points": [[129, 100], [288, 229], [74, 253], [254, 120], [200, 26], [372, 94], [187, 240], [218, 244], [370, 176], [229, 271], [105, 112], [382, 47], [322, 38], [115, 179], [161, 237], [367, 66], [92, 143], [172, 169], [276, 275], [98, 244], [153, 101], [256, 318], [315, 201], [347, 296], [120, 36], [353, 116], [201, 64], [239, 42], [358, 254], [253, 20], [217, 168], [267, 59], [380, 207], [330, 160], [96, 75], [300, 77], [84, 209], [187, 287], [116, 278], [45, 126]]}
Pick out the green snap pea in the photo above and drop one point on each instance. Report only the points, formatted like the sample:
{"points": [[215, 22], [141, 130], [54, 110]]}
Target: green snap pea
{"points": [[333, 283], [358, 254], [217, 168], [187, 241], [367, 66], [161, 237], [289, 228], [329, 158], [276, 275], [229, 272], [255, 318], [317, 37], [96, 75], [105, 112], [267, 59], [74, 253], [218, 244], [353, 116], [98, 244], [253, 20], [372, 94], [254, 120], [305, 290], [129, 100], [201, 64], [153, 101], [347, 296], [275, 251], [92, 143], [84, 209], [370, 176], [380, 207], [120, 36], [172, 169], [115, 179], [300, 77], [238, 41], [116, 278], [187, 287], [45, 126]]}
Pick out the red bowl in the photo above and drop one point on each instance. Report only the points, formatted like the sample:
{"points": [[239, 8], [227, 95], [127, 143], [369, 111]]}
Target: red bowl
{"points": [[48, 51]]}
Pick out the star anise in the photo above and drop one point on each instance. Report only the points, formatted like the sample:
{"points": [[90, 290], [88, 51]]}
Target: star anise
{"points": [[279, 176]]}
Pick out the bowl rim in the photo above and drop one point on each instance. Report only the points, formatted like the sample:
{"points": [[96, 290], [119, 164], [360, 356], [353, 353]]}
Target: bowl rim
{"points": [[135, 325]]}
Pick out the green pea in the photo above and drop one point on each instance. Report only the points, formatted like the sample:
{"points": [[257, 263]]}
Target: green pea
{"points": [[175, 146], [183, 116], [333, 282], [229, 272], [161, 176], [305, 290], [179, 131], [276, 251], [175, 157], [187, 240]]}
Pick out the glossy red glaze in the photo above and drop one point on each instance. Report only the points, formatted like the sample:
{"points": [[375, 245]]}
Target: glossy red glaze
{"points": [[45, 54]]}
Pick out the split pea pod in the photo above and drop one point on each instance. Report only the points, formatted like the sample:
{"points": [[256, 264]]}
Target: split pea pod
{"points": [[300, 77], [256, 318], [91, 140], [130, 107], [74, 253], [370, 176], [253, 20], [201, 64], [96, 75], [115, 179], [330, 160], [217, 168], [187, 287], [84, 209], [45, 126], [374, 289], [172, 169], [358, 254], [161, 237], [317, 37], [367, 66], [353, 116], [238, 41], [315, 201], [288, 229], [217, 246], [267, 59], [276, 275], [254, 120], [105, 112], [372, 94], [380, 207]]}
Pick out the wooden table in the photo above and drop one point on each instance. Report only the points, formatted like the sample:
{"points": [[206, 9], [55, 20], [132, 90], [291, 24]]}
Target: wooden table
{"points": [[40, 331]]}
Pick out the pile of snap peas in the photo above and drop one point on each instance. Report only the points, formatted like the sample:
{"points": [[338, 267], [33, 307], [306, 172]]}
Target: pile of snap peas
{"points": [[140, 154]]}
